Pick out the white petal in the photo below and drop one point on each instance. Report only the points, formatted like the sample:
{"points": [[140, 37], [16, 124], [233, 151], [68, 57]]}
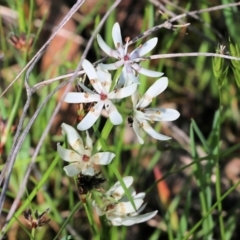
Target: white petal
{"points": [[72, 170], [116, 34], [113, 114], [117, 190], [124, 208], [74, 139], [139, 115], [115, 221], [135, 98], [76, 97], [91, 117], [139, 210], [128, 221], [131, 78], [88, 171], [136, 129], [140, 195], [102, 158], [159, 86], [127, 77], [105, 79], [121, 81], [106, 48], [85, 89], [150, 131], [98, 210], [89, 145], [145, 71], [68, 155], [161, 114], [123, 92], [143, 49], [113, 66], [89, 69], [92, 75], [132, 193]]}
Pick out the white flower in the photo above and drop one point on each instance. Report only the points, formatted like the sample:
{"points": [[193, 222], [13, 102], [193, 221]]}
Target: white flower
{"points": [[101, 82], [141, 114], [80, 158], [119, 210], [127, 59]]}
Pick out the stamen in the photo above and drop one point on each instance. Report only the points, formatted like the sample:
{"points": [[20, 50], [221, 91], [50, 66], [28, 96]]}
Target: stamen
{"points": [[86, 95], [141, 109], [110, 207], [85, 158], [126, 58], [92, 81], [103, 96], [127, 39]]}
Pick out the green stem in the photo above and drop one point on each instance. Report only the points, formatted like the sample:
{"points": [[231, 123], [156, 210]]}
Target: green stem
{"points": [[32, 195], [17, 101], [33, 233], [21, 16], [68, 219], [195, 227], [218, 174], [89, 216]]}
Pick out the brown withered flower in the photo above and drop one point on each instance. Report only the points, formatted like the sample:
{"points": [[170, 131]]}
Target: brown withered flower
{"points": [[86, 183], [21, 42], [40, 219]]}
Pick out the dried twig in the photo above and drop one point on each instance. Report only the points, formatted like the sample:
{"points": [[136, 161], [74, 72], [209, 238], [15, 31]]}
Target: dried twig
{"points": [[193, 54]]}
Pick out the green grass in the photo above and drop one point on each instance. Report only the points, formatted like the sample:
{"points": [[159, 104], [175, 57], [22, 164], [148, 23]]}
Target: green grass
{"points": [[203, 201]]}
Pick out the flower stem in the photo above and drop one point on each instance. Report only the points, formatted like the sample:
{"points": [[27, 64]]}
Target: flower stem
{"points": [[33, 233], [218, 174]]}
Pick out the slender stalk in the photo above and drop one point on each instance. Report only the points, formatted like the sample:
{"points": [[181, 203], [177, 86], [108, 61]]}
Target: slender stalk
{"points": [[196, 226], [33, 233], [218, 174], [68, 219]]}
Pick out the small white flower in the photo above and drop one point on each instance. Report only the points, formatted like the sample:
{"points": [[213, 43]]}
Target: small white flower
{"points": [[127, 59], [141, 114], [80, 158], [101, 82], [119, 210]]}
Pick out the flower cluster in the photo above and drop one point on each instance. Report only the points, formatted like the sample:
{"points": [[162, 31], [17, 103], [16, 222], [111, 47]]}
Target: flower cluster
{"points": [[117, 207], [102, 93]]}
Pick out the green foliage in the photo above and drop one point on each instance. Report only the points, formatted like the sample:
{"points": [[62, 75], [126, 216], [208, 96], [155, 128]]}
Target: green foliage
{"points": [[234, 50], [219, 70], [205, 137]]}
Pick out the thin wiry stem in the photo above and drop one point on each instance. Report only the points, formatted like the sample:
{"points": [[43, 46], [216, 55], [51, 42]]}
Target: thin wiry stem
{"points": [[7, 170], [15, 152], [24, 182], [18, 141], [194, 54], [158, 56], [162, 7], [167, 24], [72, 11]]}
